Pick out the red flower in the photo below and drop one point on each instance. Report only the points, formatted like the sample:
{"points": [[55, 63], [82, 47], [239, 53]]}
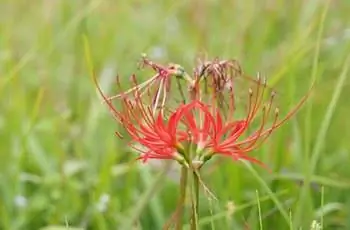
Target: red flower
{"points": [[159, 137], [214, 133], [214, 129]]}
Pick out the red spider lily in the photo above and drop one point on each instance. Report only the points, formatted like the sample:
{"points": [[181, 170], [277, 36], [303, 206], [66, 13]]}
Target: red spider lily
{"points": [[204, 124], [159, 138], [215, 134]]}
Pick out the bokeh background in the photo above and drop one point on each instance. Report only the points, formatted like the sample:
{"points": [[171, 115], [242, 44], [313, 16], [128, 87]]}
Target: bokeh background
{"points": [[62, 167]]}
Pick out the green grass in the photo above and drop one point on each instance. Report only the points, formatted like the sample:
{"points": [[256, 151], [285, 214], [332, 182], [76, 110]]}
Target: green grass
{"points": [[62, 166]]}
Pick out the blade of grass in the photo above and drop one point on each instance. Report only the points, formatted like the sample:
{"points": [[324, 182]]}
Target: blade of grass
{"points": [[135, 213], [259, 209], [31, 54], [328, 209], [321, 137], [303, 214], [155, 203], [291, 220], [298, 51], [208, 219], [314, 74], [322, 205], [269, 192], [319, 180]]}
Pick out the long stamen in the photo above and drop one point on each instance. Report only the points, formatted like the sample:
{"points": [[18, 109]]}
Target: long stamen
{"points": [[156, 99], [264, 134], [258, 99], [231, 105], [250, 106], [117, 115], [163, 102], [135, 88], [144, 112], [255, 137]]}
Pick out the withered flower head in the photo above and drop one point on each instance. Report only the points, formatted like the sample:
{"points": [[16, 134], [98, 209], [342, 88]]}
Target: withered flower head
{"points": [[218, 74], [159, 83]]}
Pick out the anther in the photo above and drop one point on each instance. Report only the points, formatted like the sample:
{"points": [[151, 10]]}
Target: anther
{"points": [[119, 135], [258, 76], [273, 94], [250, 92], [277, 111], [264, 81], [133, 78]]}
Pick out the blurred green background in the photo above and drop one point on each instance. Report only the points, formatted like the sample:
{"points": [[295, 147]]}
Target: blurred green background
{"points": [[62, 167]]}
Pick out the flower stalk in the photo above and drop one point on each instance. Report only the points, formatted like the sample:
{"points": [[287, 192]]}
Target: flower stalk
{"points": [[182, 198], [195, 200]]}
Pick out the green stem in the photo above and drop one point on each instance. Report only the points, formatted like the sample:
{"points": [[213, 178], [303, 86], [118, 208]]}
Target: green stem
{"points": [[181, 203], [195, 201], [181, 91]]}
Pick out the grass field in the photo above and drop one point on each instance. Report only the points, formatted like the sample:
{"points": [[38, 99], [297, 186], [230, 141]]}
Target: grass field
{"points": [[62, 167]]}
